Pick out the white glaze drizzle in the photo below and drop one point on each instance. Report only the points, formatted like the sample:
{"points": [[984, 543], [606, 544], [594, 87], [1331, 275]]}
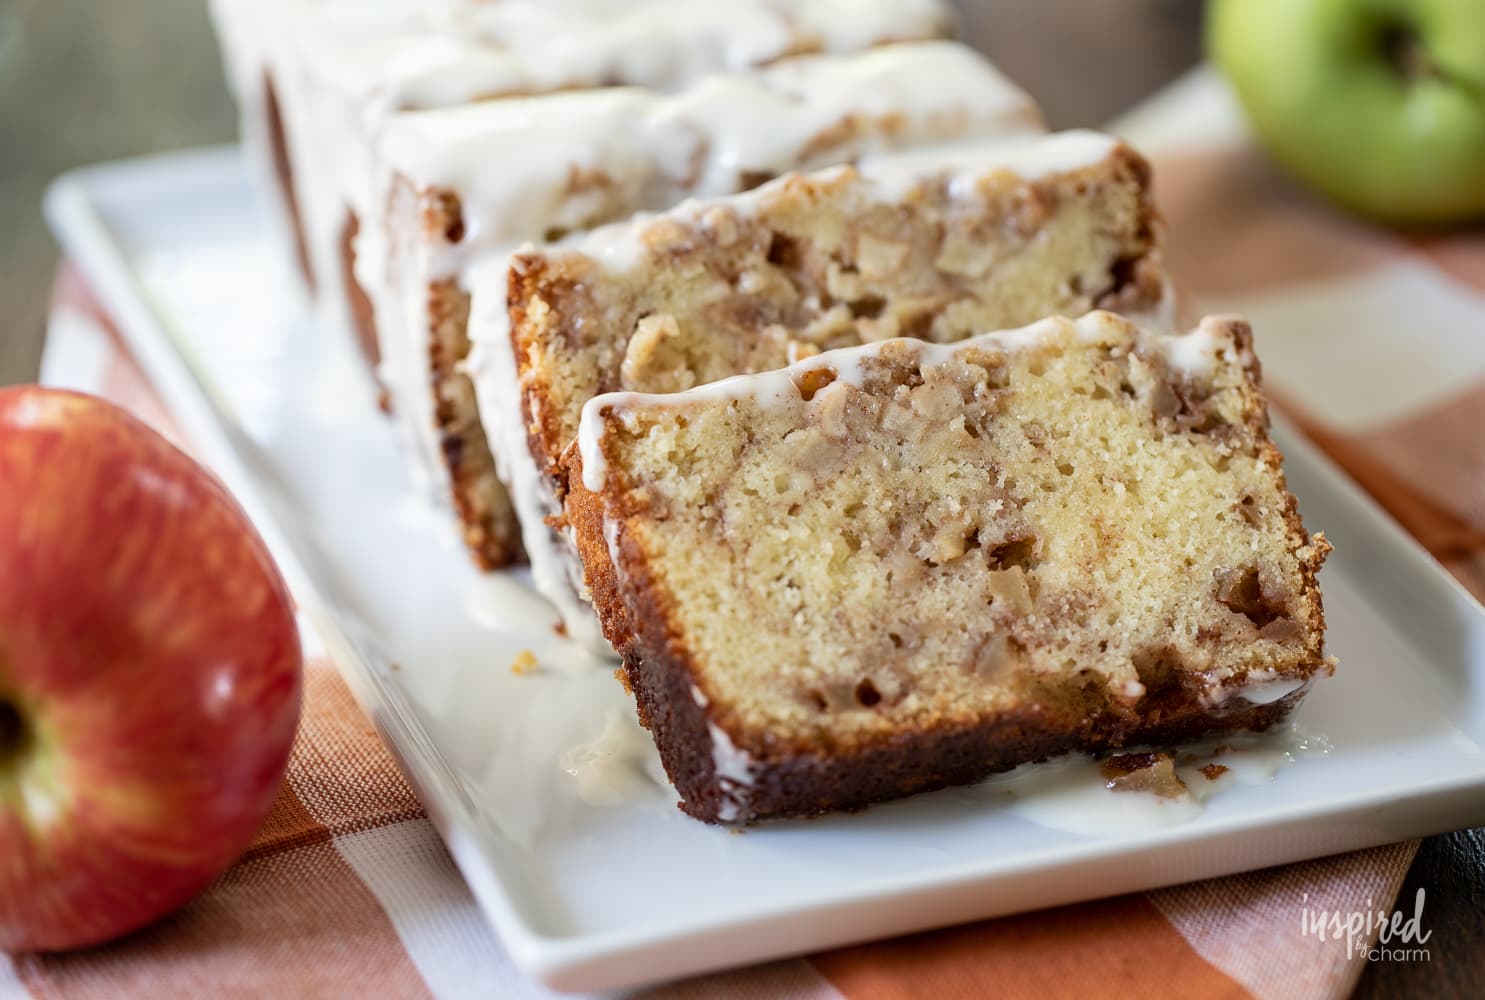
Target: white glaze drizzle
{"points": [[885, 178], [554, 563], [422, 54], [653, 149], [733, 770], [1198, 354], [1259, 687], [342, 66], [1030, 157], [618, 765]]}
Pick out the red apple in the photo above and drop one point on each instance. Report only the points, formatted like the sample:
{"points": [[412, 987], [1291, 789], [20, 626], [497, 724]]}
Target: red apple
{"points": [[149, 674]]}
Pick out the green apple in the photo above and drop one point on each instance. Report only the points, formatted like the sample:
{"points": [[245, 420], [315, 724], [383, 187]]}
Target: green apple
{"points": [[1378, 104]]}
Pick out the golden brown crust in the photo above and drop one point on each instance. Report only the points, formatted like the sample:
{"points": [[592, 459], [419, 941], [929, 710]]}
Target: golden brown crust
{"points": [[584, 513], [532, 285], [1311, 551], [486, 515], [358, 303]]}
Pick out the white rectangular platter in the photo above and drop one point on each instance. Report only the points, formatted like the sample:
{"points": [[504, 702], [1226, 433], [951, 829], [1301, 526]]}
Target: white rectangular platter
{"points": [[596, 896]]}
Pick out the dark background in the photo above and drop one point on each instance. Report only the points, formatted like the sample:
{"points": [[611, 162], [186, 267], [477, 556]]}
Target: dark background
{"points": [[89, 80]]}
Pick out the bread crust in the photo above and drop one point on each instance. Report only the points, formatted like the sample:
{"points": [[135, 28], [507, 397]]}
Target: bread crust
{"points": [[358, 303], [487, 518], [283, 172]]}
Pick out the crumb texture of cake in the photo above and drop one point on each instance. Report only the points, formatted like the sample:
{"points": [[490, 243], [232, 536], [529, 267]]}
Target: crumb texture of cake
{"points": [[903, 566], [571, 161], [937, 244], [412, 54]]}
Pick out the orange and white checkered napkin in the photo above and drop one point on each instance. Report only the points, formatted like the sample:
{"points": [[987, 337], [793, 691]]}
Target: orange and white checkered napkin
{"points": [[347, 890]]}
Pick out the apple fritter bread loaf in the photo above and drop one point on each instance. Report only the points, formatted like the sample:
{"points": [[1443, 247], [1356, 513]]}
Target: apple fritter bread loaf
{"points": [[902, 566]]}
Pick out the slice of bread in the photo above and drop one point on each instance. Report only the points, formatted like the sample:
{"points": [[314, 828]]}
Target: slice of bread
{"points": [[937, 244], [903, 566]]}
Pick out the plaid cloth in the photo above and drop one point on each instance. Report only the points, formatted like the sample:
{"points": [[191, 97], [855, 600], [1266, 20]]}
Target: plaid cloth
{"points": [[348, 891]]}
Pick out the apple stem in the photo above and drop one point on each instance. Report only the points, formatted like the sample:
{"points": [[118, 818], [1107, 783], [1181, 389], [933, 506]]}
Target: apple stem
{"points": [[1407, 55], [12, 733]]}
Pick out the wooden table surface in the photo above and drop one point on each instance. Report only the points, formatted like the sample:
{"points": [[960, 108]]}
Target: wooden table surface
{"points": [[83, 81]]}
